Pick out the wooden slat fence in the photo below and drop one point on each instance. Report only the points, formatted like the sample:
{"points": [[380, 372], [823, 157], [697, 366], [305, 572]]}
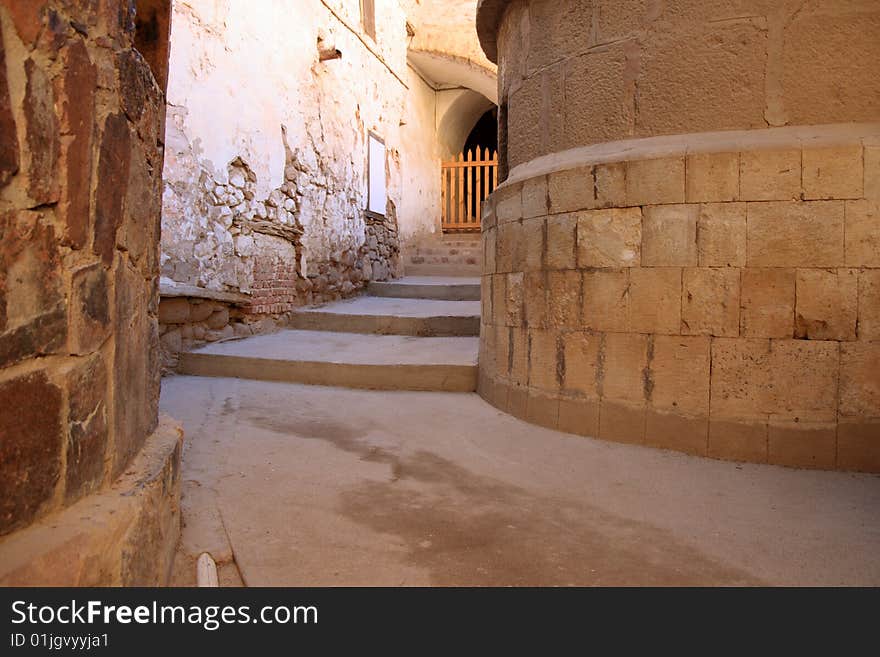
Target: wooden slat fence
{"points": [[465, 183]]}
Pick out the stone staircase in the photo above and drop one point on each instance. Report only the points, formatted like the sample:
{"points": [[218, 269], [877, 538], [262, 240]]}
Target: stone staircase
{"points": [[416, 333], [451, 255]]}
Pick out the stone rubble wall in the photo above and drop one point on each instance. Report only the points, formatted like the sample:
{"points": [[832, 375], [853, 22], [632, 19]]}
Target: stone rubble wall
{"points": [[81, 117], [288, 230], [724, 304]]}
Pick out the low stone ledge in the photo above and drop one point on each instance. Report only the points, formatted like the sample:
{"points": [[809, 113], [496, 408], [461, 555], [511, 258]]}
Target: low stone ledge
{"points": [[125, 535], [173, 289]]}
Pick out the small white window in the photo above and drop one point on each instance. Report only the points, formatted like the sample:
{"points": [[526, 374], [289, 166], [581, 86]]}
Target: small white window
{"points": [[376, 195]]}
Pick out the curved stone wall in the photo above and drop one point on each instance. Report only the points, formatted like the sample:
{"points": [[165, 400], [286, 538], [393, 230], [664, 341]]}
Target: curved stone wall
{"points": [[648, 281], [578, 72]]}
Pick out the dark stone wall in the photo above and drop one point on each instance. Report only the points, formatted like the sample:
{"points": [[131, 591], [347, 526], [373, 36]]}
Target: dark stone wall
{"points": [[81, 130]]}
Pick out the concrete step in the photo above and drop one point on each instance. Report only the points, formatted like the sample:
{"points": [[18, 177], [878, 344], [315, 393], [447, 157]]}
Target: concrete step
{"points": [[350, 360], [443, 269], [390, 316], [442, 288]]}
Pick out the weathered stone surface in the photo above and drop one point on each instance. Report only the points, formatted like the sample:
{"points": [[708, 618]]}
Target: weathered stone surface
{"points": [[795, 234], [90, 301], [860, 379], [768, 301], [862, 234], [742, 387], [827, 302], [669, 236], [654, 300], [581, 363], [113, 168], [77, 121], [770, 175], [804, 374], [710, 301], [609, 238], [869, 304], [177, 311], [87, 430], [9, 144], [561, 238], [33, 315], [606, 296], [30, 451], [651, 182], [218, 319], [833, 173], [721, 235], [680, 374], [624, 366], [42, 135], [712, 177]]}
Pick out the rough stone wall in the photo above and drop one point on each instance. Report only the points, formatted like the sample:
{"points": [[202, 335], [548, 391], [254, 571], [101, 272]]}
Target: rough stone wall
{"points": [[268, 198], [708, 292], [80, 174], [645, 67]]}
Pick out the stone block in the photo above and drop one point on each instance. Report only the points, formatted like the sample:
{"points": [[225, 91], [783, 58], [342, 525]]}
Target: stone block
{"points": [[572, 190], [669, 236], [860, 380], [827, 304], [675, 431], [581, 355], [535, 299], [517, 401], [176, 310], [489, 266], [564, 299], [113, 169], [499, 298], [710, 301], [741, 385], [767, 303], [622, 422], [561, 236], [508, 242], [833, 173], [542, 409], [579, 416], [519, 356], [680, 374], [625, 368], [654, 182], [869, 304], [544, 360], [767, 175], [609, 238], [535, 199], [804, 375], [610, 185], [86, 428], [738, 441], [30, 451], [802, 444], [872, 172], [501, 343], [599, 101], [606, 300], [862, 233], [42, 135], [508, 204], [199, 310], [858, 445], [532, 245], [654, 300], [9, 156], [712, 177], [795, 234], [721, 235], [513, 299]]}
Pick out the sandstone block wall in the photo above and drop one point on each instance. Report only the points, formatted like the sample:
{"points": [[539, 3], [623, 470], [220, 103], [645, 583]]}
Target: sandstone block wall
{"points": [[80, 177], [580, 72], [718, 303]]}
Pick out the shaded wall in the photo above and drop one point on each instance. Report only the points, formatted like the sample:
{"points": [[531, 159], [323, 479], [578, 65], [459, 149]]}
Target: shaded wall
{"points": [[80, 186], [685, 252]]}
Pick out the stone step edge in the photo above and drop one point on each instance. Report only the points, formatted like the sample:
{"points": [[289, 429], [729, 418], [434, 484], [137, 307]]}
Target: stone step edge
{"points": [[439, 326], [435, 292], [415, 377]]}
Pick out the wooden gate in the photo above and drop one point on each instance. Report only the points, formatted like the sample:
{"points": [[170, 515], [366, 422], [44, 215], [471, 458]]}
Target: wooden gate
{"points": [[465, 183]]}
